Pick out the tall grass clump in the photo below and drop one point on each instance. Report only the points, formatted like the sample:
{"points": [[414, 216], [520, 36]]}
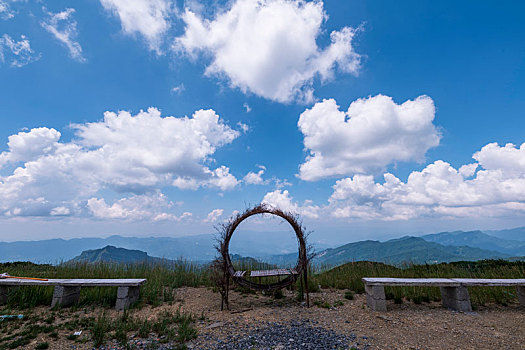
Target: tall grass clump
{"points": [[161, 279]]}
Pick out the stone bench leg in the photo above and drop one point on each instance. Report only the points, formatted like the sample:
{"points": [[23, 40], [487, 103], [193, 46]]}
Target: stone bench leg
{"points": [[521, 295], [456, 298], [126, 296], [64, 296], [375, 297], [3, 294]]}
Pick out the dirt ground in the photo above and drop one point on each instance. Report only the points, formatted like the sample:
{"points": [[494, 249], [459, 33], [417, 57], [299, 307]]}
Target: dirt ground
{"points": [[403, 326]]}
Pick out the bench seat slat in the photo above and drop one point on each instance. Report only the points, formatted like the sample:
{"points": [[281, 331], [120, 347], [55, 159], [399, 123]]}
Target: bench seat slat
{"points": [[276, 272], [133, 282], [490, 282], [442, 282], [428, 282]]}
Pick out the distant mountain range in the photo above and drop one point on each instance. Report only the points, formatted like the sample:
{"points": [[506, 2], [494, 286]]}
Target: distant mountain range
{"points": [[394, 252], [198, 248], [478, 239], [433, 248], [517, 234]]}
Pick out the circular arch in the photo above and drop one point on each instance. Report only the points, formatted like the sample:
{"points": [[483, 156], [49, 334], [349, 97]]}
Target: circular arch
{"points": [[227, 233]]}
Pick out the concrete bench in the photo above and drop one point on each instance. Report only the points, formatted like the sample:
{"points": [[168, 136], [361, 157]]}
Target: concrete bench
{"points": [[454, 293], [67, 291]]}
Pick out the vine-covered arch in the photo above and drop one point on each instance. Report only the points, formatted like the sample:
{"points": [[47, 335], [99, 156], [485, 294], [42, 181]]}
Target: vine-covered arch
{"points": [[226, 233]]}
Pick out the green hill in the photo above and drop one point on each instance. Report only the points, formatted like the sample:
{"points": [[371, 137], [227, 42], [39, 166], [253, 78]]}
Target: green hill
{"points": [[403, 250], [111, 254], [412, 250]]}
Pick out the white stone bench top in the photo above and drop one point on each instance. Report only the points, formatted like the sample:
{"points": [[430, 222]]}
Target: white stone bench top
{"points": [[491, 281], [442, 282], [126, 282]]}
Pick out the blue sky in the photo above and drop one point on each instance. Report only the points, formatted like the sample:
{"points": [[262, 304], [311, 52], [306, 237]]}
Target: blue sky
{"points": [[163, 117]]}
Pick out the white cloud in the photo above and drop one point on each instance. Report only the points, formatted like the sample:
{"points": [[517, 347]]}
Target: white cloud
{"points": [[269, 47], [255, 178], [138, 207], [247, 107], [64, 29], [60, 211], [122, 153], [244, 127], [372, 134], [283, 200], [222, 179], [214, 215], [28, 146], [149, 18], [18, 53], [5, 10], [496, 189], [178, 89]]}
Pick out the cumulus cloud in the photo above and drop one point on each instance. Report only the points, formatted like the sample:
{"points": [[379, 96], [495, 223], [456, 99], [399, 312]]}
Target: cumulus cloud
{"points": [[64, 29], [496, 189], [220, 178], [137, 207], [122, 153], [149, 18], [28, 146], [16, 53], [214, 215], [255, 178], [373, 133], [282, 200], [494, 186], [269, 47]]}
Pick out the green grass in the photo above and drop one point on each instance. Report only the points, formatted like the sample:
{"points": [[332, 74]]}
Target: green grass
{"points": [[162, 280], [174, 328], [349, 277], [159, 287]]}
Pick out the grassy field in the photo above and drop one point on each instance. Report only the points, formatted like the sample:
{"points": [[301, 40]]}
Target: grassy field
{"points": [[162, 282]]}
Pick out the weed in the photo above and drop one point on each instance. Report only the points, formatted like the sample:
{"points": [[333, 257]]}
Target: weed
{"points": [[43, 345], [349, 295], [322, 303], [278, 294], [53, 335], [99, 330], [186, 331]]}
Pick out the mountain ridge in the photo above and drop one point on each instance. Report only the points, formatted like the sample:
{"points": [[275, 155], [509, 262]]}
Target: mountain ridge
{"points": [[261, 245]]}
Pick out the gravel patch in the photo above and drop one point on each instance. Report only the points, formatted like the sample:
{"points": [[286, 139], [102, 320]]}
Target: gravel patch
{"points": [[302, 334]]}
